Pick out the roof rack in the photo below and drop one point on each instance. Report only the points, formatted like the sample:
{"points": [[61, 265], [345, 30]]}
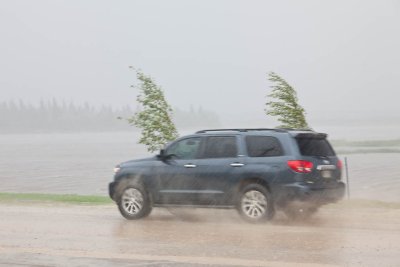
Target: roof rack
{"points": [[255, 129], [298, 129], [243, 130]]}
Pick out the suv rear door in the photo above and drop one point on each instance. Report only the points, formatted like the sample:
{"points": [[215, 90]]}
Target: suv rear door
{"points": [[265, 158]]}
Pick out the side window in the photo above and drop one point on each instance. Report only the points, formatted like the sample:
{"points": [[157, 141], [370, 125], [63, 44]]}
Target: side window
{"points": [[185, 149], [263, 146], [220, 147]]}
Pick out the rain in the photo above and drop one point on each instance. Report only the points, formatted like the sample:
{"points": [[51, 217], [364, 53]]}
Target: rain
{"points": [[68, 89]]}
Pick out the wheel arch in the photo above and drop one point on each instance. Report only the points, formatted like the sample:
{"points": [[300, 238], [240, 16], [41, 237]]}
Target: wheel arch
{"points": [[256, 183], [253, 180], [131, 179]]}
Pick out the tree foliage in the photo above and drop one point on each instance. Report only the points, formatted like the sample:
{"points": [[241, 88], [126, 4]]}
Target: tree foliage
{"points": [[155, 117], [60, 116], [285, 105]]}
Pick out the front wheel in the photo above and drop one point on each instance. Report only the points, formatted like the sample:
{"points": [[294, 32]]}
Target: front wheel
{"points": [[134, 203], [255, 203]]}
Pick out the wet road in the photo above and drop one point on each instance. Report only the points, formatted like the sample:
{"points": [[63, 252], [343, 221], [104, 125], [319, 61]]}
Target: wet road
{"points": [[79, 235]]}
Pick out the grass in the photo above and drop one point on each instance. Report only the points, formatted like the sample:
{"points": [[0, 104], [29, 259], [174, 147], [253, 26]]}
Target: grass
{"points": [[371, 143], [73, 199], [366, 147], [367, 151], [101, 200]]}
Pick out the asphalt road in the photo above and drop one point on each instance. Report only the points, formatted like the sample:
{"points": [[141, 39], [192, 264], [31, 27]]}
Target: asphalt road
{"points": [[80, 235]]}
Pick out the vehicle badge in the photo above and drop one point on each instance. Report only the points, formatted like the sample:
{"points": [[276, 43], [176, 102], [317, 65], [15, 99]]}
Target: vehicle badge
{"points": [[326, 161]]}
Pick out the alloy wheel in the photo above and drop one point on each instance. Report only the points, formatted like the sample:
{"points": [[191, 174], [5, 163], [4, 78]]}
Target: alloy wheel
{"points": [[254, 204], [132, 201]]}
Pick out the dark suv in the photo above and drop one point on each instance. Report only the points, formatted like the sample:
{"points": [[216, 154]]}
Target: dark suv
{"points": [[256, 171]]}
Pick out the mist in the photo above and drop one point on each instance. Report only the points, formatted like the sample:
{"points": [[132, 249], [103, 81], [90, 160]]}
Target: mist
{"points": [[341, 56], [71, 164]]}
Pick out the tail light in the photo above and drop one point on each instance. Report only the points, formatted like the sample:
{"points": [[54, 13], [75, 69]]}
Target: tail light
{"points": [[301, 166], [339, 164]]}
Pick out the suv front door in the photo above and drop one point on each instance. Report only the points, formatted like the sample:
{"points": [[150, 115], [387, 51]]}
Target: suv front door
{"points": [[177, 172]]}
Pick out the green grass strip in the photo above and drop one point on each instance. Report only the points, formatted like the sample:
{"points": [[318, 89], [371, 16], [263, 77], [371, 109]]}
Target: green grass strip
{"points": [[101, 200], [367, 151], [371, 143], [37, 197]]}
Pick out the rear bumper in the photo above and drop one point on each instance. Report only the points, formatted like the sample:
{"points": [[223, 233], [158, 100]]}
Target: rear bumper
{"points": [[306, 193]]}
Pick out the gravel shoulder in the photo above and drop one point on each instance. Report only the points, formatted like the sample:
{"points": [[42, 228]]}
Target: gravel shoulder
{"points": [[54, 234]]}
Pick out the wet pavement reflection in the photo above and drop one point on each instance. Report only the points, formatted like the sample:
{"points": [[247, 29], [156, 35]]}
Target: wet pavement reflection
{"points": [[97, 235]]}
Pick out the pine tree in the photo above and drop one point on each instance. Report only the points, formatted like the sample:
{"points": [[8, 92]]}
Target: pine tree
{"points": [[285, 104], [154, 119]]}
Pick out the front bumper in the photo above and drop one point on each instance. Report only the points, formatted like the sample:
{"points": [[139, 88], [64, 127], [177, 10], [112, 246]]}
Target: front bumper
{"points": [[315, 194], [111, 190]]}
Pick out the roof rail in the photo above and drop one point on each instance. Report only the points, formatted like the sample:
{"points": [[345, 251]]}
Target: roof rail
{"points": [[242, 130], [298, 129]]}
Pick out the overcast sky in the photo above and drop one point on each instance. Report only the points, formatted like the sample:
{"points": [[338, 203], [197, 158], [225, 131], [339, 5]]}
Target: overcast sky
{"points": [[342, 57]]}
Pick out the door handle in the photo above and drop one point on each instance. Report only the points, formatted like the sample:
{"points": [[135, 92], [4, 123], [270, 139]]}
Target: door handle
{"points": [[189, 165], [237, 164]]}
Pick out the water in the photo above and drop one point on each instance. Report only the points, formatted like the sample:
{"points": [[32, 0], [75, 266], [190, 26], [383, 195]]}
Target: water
{"points": [[82, 163], [79, 163], [374, 176]]}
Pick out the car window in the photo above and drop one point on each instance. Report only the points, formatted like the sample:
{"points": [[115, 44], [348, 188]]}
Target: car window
{"points": [[263, 146], [185, 149], [315, 147], [220, 147]]}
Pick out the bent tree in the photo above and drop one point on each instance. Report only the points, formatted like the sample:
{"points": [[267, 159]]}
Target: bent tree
{"points": [[155, 115], [284, 104]]}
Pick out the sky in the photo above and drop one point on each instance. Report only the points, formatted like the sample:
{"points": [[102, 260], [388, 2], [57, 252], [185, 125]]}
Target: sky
{"points": [[341, 56]]}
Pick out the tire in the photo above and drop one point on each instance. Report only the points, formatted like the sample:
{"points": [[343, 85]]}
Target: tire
{"points": [[134, 202], [299, 214], [255, 204]]}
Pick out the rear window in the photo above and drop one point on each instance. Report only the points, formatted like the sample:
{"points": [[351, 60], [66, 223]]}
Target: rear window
{"points": [[263, 146], [315, 147], [220, 147]]}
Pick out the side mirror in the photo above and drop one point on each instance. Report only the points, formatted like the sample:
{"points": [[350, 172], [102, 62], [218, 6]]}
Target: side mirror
{"points": [[162, 154]]}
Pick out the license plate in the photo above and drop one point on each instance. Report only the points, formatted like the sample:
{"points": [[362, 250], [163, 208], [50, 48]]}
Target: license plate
{"points": [[326, 174]]}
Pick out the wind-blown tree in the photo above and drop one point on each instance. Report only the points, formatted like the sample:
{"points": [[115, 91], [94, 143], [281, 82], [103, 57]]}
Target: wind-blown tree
{"points": [[285, 104], [155, 117]]}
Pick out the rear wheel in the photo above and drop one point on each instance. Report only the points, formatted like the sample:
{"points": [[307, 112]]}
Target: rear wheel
{"points": [[255, 203], [134, 202]]}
